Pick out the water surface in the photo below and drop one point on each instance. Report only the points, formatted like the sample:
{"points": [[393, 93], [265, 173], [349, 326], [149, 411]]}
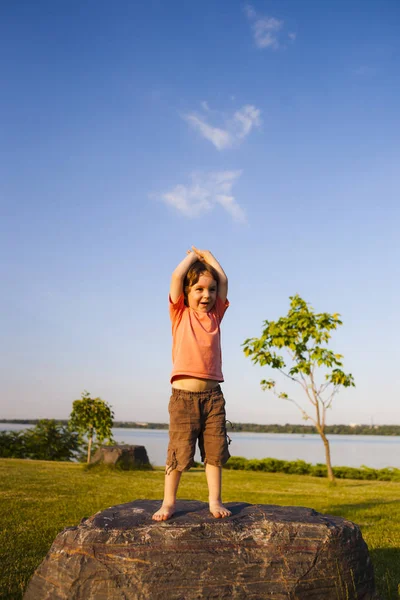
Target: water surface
{"points": [[346, 450]]}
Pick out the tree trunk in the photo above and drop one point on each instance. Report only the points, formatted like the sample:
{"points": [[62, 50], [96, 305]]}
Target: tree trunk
{"points": [[89, 446], [331, 476]]}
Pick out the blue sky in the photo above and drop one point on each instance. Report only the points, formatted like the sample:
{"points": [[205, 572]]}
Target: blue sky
{"points": [[266, 132]]}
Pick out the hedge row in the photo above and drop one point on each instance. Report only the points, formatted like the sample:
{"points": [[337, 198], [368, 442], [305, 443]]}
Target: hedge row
{"points": [[300, 467]]}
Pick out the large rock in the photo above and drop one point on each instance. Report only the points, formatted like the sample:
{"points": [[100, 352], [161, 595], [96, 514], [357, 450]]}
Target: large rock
{"points": [[125, 456], [259, 552]]}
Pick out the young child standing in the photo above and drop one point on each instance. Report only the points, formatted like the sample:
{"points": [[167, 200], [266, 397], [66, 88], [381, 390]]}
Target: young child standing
{"points": [[197, 304]]}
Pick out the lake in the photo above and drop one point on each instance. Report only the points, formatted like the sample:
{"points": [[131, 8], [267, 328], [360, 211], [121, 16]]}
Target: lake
{"points": [[346, 450]]}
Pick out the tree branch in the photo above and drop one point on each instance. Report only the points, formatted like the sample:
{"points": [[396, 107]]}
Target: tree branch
{"points": [[323, 387], [289, 376], [301, 409], [329, 401], [305, 386]]}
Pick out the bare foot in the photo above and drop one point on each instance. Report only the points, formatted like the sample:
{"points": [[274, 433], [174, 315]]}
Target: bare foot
{"points": [[219, 511], [165, 513]]}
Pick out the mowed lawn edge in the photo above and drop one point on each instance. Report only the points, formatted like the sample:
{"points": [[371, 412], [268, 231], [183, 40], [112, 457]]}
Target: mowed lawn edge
{"points": [[39, 499]]}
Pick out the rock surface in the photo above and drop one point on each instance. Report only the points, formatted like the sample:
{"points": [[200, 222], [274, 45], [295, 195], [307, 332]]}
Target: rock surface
{"points": [[124, 455], [261, 551]]}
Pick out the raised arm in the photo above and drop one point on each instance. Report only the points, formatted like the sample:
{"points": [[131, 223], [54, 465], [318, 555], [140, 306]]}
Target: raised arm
{"points": [[178, 276], [206, 256]]}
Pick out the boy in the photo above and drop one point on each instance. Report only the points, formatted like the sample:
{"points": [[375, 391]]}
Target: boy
{"points": [[198, 301]]}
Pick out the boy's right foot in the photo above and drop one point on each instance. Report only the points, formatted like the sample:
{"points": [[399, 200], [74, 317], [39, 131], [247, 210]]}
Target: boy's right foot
{"points": [[218, 510], [165, 513]]}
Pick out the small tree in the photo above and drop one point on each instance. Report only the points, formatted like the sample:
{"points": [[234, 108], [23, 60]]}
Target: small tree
{"points": [[92, 417], [304, 335]]}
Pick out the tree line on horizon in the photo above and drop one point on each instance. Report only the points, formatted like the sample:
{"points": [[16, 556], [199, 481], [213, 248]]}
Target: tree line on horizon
{"points": [[339, 429]]}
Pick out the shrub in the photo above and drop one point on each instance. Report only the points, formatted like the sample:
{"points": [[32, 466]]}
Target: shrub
{"points": [[300, 467], [318, 470], [48, 440], [271, 465], [236, 463], [254, 465], [12, 444]]}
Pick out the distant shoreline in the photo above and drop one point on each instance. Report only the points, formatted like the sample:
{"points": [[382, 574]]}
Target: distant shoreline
{"points": [[388, 430]]}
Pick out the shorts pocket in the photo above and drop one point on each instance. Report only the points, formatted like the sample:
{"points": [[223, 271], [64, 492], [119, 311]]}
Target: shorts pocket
{"points": [[174, 399]]}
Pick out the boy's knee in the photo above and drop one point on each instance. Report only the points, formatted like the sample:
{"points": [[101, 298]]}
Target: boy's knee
{"points": [[181, 459], [217, 460], [214, 450]]}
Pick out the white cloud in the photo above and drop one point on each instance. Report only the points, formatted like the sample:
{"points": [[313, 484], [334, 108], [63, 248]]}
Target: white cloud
{"points": [[231, 206], [204, 193], [266, 30], [292, 36], [250, 12], [234, 130], [219, 137], [190, 201], [245, 119]]}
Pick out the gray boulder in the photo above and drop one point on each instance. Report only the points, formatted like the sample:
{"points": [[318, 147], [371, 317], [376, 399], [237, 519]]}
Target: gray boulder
{"points": [[261, 551], [125, 456]]}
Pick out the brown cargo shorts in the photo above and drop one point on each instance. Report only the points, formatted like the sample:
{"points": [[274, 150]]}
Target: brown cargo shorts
{"points": [[197, 416]]}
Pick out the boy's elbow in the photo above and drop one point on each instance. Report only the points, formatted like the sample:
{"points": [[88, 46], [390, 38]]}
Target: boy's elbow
{"points": [[176, 287], [223, 290], [223, 282], [177, 277]]}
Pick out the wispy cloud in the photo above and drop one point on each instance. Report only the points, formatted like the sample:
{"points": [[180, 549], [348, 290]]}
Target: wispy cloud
{"points": [[245, 119], [204, 193], [266, 30], [233, 129], [221, 138]]}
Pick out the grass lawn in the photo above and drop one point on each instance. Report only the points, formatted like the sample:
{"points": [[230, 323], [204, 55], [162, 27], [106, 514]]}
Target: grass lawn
{"points": [[38, 499]]}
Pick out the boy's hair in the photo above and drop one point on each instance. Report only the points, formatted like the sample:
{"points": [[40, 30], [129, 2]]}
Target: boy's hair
{"points": [[193, 275]]}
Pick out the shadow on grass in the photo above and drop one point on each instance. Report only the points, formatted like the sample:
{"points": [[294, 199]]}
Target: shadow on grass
{"points": [[342, 509], [119, 467], [386, 563]]}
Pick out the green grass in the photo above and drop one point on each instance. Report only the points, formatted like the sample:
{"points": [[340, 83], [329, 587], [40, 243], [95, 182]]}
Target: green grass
{"points": [[38, 499]]}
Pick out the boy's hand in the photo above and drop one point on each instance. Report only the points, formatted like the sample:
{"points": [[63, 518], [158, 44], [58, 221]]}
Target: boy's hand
{"points": [[203, 255]]}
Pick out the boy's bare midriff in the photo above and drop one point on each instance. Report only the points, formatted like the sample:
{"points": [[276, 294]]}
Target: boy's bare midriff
{"points": [[193, 384]]}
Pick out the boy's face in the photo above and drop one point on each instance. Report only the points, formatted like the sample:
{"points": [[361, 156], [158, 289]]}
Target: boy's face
{"points": [[203, 294]]}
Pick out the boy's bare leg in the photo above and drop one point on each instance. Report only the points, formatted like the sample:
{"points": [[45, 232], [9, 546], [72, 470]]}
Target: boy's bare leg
{"points": [[170, 488], [214, 481]]}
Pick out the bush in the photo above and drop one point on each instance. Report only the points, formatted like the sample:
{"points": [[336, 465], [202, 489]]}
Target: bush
{"points": [[319, 470], [272, 465], [13, 444], [48, 440], [300, 467], [236, 463]]}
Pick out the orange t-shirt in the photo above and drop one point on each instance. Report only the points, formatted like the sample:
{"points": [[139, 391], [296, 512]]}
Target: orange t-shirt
{"points": [[196, 340]]}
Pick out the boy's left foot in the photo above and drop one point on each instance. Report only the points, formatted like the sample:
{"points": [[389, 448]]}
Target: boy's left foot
{"points": [[219, 511]]}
